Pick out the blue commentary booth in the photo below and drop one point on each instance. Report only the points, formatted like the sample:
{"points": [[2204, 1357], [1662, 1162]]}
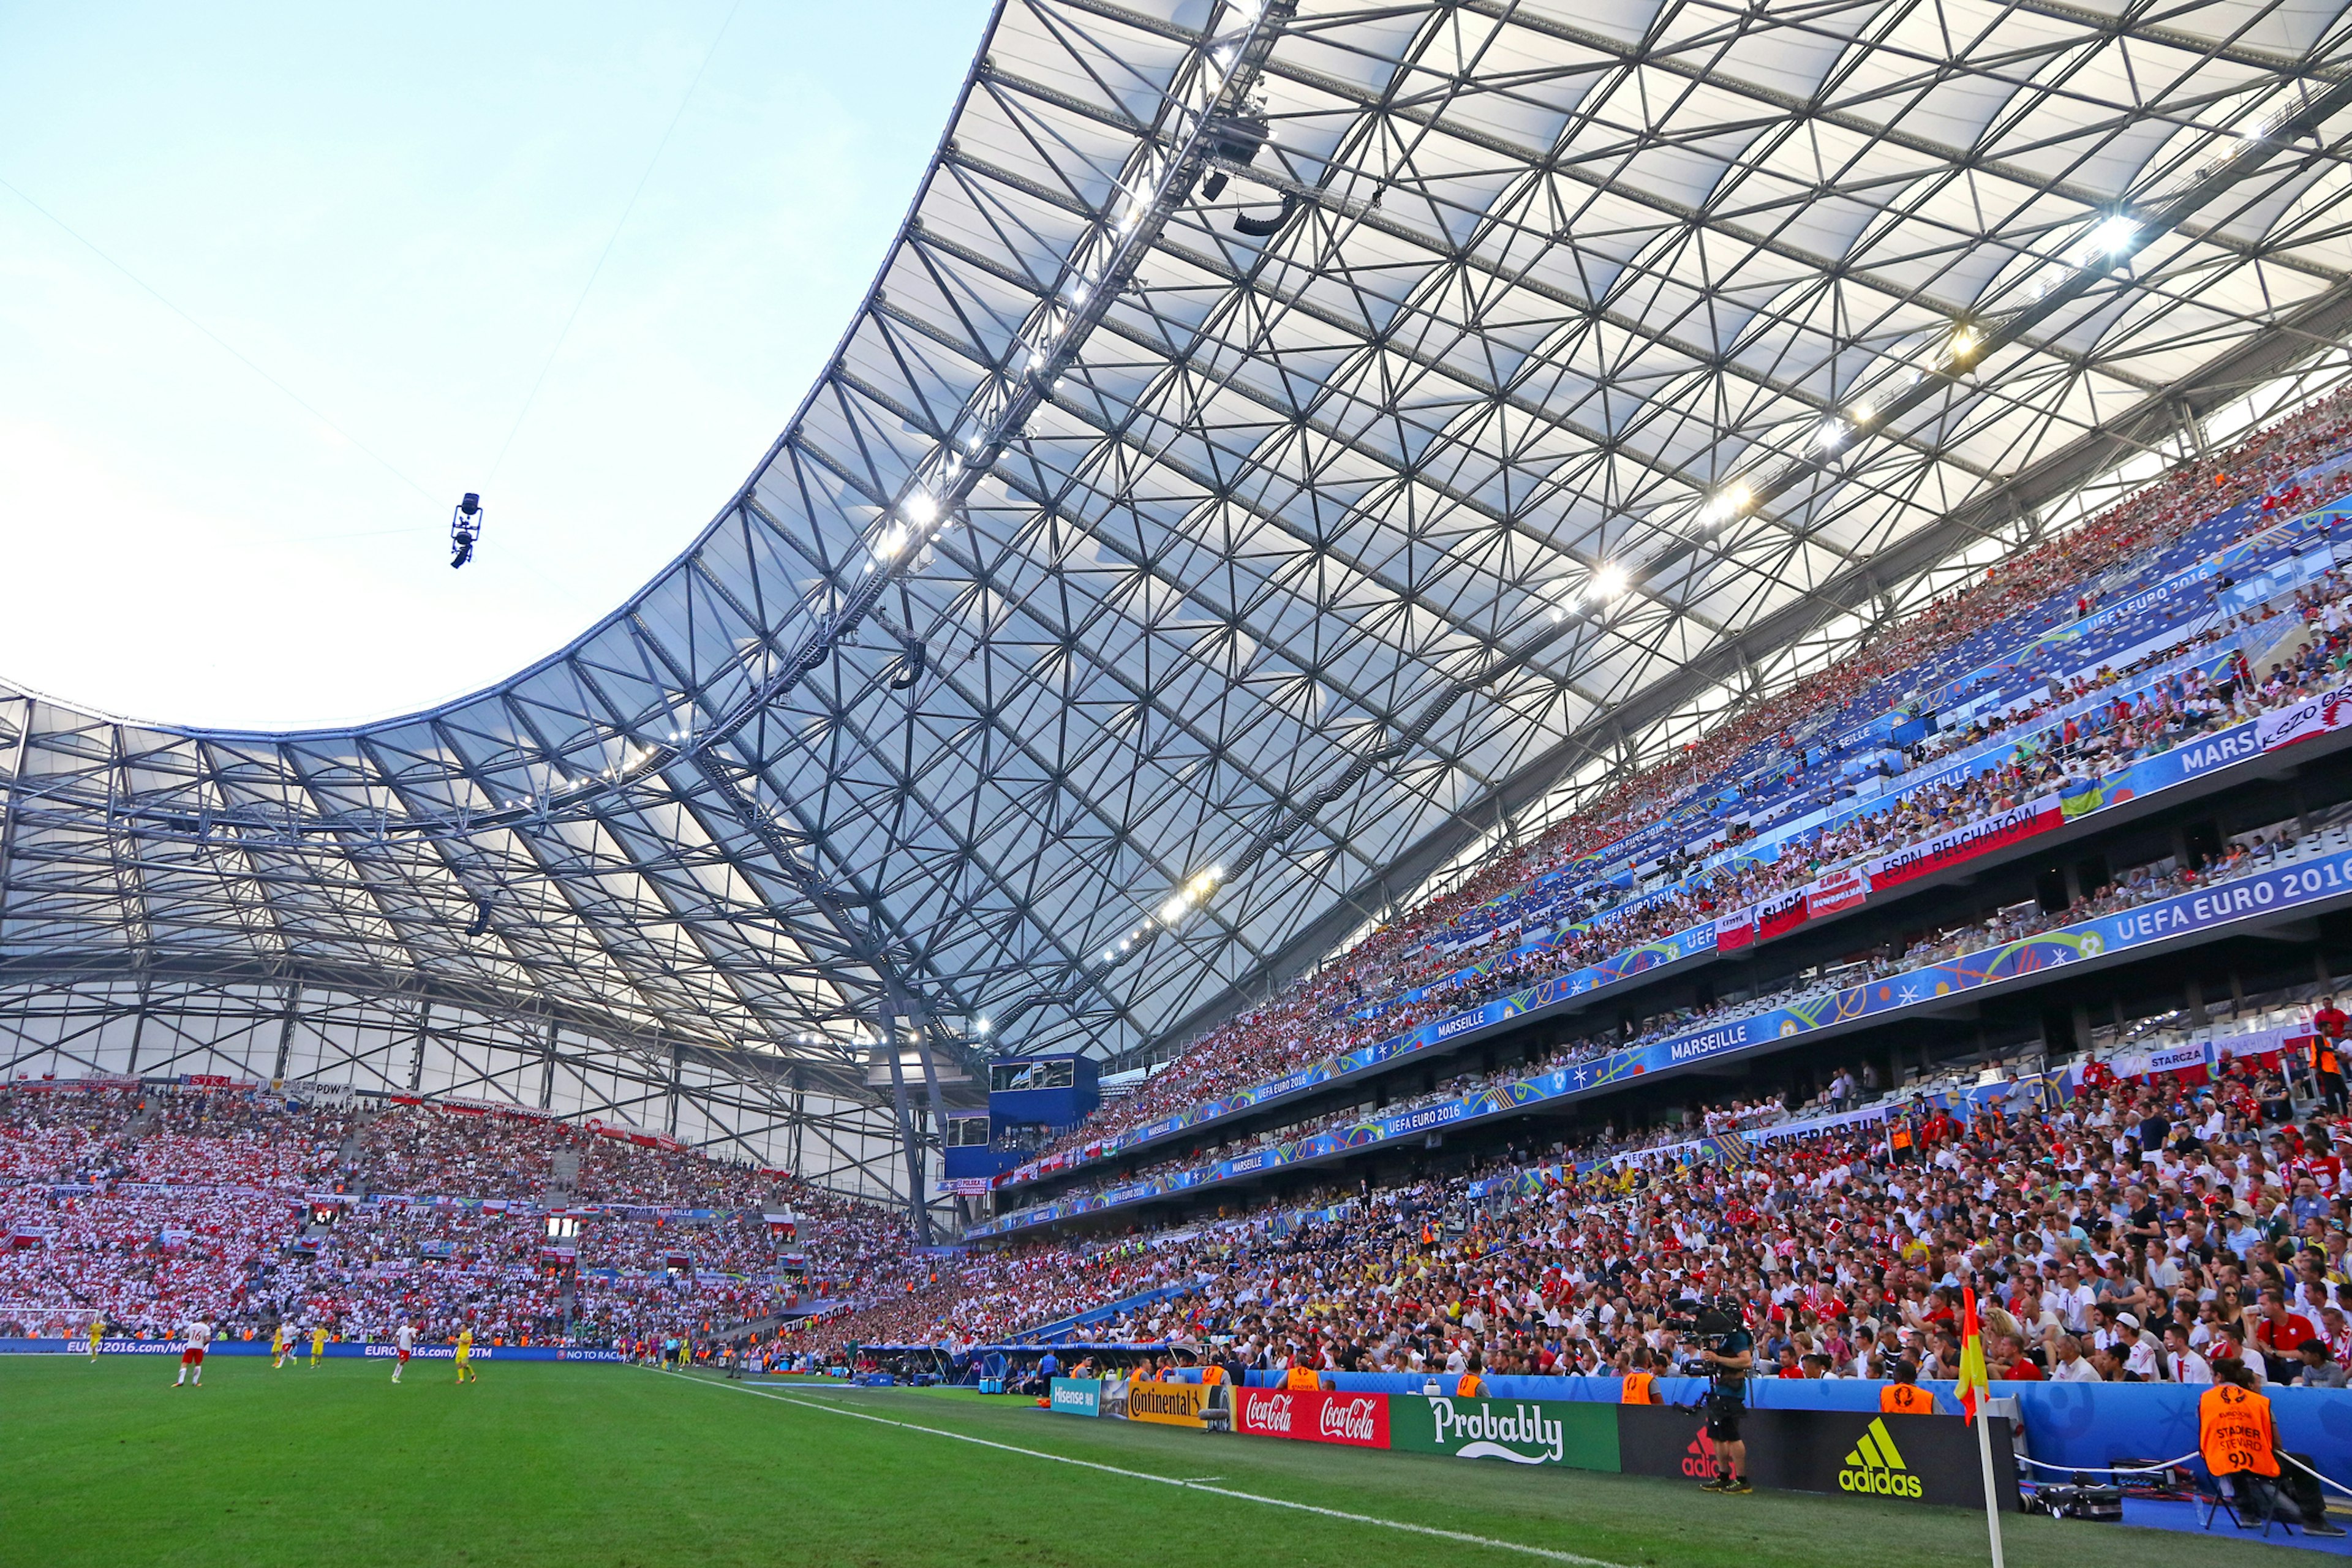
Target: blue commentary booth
{"points": [[1056, 1090], [969, 1152]]}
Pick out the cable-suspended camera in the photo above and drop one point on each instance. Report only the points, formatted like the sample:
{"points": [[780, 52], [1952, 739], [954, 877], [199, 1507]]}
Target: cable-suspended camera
{"points": [[465, 528]]}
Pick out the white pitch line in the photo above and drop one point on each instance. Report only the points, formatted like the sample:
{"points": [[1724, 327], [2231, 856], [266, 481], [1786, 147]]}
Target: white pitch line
{"points": [[832, 1407]]}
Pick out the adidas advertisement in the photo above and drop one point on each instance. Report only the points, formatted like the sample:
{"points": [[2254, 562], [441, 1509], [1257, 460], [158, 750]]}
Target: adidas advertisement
{"points": [[1899, 1458], [1876, 1466], [1578, 1433]]}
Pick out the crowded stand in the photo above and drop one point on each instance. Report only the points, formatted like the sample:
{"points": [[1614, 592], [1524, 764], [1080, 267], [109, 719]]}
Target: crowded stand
{"points": [[2144, 1229], [2133, 886], [67, 1137], [144, 1205], [2048, 701]]}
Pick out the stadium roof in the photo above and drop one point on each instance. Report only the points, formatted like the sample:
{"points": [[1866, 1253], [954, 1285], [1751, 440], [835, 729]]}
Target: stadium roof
{"points": [[1547, 379]]}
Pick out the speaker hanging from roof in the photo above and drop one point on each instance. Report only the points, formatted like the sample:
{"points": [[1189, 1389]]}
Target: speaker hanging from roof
{"points": [[1267, 227]]}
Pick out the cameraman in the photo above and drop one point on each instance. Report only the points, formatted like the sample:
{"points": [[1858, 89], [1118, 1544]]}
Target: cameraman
{"points": [[1727, 1360]]}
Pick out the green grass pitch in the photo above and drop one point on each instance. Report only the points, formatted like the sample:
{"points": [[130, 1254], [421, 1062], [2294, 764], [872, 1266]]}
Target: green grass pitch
{"points": [[596, 1467]]}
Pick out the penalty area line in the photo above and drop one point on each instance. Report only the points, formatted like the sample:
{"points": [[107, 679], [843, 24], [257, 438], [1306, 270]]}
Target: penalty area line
{"points": [[835, 1407]]}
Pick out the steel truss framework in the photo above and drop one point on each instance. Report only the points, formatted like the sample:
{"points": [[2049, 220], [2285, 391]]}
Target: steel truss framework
{"points": [[722, 1104], [1296, 441]]}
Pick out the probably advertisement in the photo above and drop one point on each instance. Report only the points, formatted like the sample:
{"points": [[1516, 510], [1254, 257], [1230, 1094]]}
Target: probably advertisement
{"points": [[1075, 1396], [1896, 1458], [1580, 1436], [1354, 1420], [1168, 1403]]}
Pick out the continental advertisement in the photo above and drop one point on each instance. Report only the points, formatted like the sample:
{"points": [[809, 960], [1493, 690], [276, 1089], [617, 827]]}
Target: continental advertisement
{"points": [[1168, 1403], [1580, 1435]]}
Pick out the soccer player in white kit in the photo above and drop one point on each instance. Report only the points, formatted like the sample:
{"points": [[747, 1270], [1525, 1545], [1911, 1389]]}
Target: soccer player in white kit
{"points": [[194, 1335], [403, 1341]]}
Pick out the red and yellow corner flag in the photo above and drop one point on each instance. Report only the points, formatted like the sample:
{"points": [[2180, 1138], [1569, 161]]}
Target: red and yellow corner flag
{"points": [[1975, 1384]]}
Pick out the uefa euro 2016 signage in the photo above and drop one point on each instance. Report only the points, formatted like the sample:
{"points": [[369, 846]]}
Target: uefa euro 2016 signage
{"points": [[1168, 1403], [1075, 1396]]}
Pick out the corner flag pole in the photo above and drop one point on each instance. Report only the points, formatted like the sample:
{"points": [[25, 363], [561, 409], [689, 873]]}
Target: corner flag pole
{"points": [[1975, 1393], [1992, 1500]]}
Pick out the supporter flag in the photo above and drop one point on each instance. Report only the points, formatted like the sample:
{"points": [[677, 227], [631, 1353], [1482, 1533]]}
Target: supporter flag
{"points": [[1975, 1386]]}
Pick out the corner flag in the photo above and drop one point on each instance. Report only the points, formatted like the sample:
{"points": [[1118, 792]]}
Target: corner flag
{"points": [[1975, 1384]]}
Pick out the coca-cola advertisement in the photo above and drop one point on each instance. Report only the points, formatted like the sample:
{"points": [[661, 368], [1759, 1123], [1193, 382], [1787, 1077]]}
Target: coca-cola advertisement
{"points": [[1358, 1420]]}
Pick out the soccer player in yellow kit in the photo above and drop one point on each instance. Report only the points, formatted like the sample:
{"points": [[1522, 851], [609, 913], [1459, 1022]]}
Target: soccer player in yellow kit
{"points": [[318, 1342], [97, 1334], [466, 1357], [281, 1341]]}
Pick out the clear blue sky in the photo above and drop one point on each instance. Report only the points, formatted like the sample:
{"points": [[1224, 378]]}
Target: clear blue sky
{"points": [[392, 210]]}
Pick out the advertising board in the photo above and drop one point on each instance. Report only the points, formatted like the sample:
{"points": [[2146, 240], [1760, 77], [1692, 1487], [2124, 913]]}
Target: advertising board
{"points": [[1897, 1458], [1354, 1420], [1075, 1396], [1580, 1435], [1168, 1403]]}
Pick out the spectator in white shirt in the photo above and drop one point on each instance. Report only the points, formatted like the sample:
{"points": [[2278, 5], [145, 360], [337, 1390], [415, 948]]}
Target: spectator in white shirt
{"points": [[2066, 1362], [2182, 1364]]}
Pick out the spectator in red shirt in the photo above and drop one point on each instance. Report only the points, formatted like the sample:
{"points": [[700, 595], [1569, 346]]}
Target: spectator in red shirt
{"points": [[2013, 1365], [2279, 1334]]}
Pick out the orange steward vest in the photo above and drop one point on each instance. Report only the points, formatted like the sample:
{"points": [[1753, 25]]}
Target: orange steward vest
{"points": [[2235, 1431]]}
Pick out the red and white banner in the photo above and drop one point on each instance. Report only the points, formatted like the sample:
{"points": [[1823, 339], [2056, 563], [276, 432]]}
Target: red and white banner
{"points": [[1838, 890], [2305, 720], [1781, 913], [1965, 843], [621, 1131], [1357, 1420], [1735, 930]]}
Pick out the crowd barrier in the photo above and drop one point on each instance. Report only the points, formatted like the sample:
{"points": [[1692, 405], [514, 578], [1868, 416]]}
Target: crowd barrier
{"points": [[2076, 1425], [301, 1350]]}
